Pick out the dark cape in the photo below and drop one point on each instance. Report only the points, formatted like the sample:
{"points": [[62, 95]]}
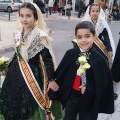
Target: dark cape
{"points": [[66, 72], [116, 65]]}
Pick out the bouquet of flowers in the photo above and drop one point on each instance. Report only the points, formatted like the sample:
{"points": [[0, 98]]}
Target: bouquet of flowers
{"points": [[4, 62], [84, 65]]}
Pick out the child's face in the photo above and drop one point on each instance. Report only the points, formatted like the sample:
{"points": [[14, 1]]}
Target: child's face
{"points": [[27, 18], [94, 12], [84, 38]]}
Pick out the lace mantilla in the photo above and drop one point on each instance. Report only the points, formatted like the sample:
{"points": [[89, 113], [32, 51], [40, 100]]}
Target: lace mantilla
{"points": [[99, 27], [35, 47], [101, 24]]}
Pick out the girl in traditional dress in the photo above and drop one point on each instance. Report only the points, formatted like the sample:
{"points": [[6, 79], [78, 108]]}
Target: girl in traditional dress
{"points": [[31, 72], [104, 42]]}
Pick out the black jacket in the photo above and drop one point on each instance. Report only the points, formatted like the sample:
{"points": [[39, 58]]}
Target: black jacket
{"points": [[116, 65], [66, 73]]}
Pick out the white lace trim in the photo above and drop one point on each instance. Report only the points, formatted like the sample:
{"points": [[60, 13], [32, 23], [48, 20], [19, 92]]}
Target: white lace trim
{"points": [[35, 47], [99, 27], [31, 48]]}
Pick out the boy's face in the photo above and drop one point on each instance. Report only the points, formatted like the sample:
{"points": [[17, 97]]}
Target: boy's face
{"points": [[85, 39]]}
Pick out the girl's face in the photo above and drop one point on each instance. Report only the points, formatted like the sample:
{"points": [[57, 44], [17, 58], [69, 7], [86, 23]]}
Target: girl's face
{"points": [[84, 38], [94, 12], [27, 18]]}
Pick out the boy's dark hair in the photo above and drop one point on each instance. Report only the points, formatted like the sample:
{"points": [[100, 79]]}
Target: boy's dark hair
{"points": [[85, 25], [94, 4], [31, 7]]}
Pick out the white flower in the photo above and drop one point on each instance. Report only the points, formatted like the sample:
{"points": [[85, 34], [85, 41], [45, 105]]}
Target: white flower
{"points": [[80, 70], [82, 59], [86, 66]]}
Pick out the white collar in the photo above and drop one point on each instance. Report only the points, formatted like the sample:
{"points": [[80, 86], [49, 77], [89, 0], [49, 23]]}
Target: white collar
{"points": [[83, 50]]}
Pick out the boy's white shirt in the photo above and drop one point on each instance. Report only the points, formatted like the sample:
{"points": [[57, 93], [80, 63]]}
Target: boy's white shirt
{"points": [[82, 50]]}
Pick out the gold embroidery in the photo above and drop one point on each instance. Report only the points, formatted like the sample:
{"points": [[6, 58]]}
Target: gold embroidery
{"points": [[102, 47]]}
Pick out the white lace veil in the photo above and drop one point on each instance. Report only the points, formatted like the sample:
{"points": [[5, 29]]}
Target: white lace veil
{"points": [[42, 26], [87, 15], [100, 25]]}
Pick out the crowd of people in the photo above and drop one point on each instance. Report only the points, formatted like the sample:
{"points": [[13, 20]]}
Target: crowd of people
{"points": [[63, 7], [82, 84], [116, 13]]}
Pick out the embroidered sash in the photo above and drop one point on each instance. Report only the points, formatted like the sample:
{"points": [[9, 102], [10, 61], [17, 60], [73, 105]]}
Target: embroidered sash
{"points": [[102, 47], [33, 86]]}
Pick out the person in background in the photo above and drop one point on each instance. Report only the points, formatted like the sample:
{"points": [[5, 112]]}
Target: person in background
{"points": [[55, 6], [116, 65], [96, 15], [41, 5], [114, 13], [60, 5], [50, 6], [68, 8], [116, 68], [81, 7]]}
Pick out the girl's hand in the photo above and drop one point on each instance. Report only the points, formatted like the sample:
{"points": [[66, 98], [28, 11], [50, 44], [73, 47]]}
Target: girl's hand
{"points": [[53, 85]]}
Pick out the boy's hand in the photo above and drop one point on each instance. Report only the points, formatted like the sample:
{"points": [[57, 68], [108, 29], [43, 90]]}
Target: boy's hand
{"points": [[110, 53], [83, 88], [53, 85]]}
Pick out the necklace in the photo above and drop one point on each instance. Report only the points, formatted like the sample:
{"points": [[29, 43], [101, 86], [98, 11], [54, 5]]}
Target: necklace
{"points": [[25, 36], [94, 22]]}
